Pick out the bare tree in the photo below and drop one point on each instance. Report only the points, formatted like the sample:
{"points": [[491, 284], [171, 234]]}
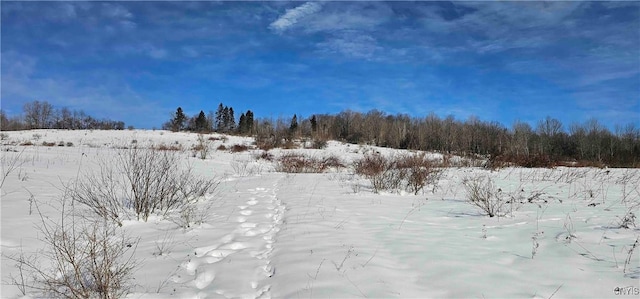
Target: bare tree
{"points": [[38, 114]]}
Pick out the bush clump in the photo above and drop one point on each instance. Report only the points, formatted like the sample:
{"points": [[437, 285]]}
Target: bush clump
{"points": [[238, 148], [142, 181], [411, 172], [298, 163]]}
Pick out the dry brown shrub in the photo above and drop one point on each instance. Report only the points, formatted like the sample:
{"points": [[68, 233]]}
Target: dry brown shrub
{"points": [[413, 172], [298, 163], [529, 161], [264, 155], [290, 144], [238, 148], [164, 147]]}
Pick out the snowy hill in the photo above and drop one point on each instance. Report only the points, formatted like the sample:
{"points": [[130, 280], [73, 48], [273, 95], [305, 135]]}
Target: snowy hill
{"points": [[268, 234]]}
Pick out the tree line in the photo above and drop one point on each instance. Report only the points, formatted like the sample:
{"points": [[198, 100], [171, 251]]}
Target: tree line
{"points": [[43, 115], [222, 120], [548, 143]]}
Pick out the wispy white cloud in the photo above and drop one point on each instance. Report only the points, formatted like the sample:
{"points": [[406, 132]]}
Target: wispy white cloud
{"points": [[146, 49], [293, 16], [112, 10], [364, 16], [351, 45]]}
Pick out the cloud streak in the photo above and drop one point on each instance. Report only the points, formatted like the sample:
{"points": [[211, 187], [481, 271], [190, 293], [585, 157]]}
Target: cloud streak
{"points": [[293, 16]]}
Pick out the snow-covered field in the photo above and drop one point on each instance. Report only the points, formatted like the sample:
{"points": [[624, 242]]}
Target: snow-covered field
{"points": [[270, 234]]}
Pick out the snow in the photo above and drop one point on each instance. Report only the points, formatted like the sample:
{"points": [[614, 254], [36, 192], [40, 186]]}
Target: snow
{"points": [[271, 234]]}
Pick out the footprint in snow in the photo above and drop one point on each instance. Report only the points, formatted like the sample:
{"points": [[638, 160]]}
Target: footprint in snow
{"points": [[204, 279], [248, 225]]}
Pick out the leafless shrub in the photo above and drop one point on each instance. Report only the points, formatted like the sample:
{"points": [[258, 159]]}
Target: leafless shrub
{"points": [[412, 172], [221, 147], [103, 192], [143, 181], [628, 220], [627, 261], [9, 164], [245, 168], [629, 176], [238, 148], [265, 155], [49, 144], [290, 144], [165, 245], [420, 171], [298, 163], [570, 230], [164, 147], [193, 212], [203, 147], [529, 161], [83, 258], [484, 195], [379, 171]]}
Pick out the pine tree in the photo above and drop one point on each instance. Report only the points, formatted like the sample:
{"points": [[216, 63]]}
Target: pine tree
{"points": [[178, 121], [294, 125], [225, 120], [249, 121], [219, 121], [201, 122], [242, 125], [232, 120]]}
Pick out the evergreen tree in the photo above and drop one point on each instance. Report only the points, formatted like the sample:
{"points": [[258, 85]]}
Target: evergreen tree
{"points": [[219, 121], [242, 124], [232, 120], [294, 125], [249, 121], [225, 120], [178, 120], [201, 122]]}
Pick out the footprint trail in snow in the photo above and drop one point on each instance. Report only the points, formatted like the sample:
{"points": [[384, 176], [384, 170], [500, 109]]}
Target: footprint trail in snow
{"points": [[239, 264]]}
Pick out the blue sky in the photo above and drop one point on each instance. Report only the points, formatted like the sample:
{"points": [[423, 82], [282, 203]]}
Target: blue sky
{"points": [[507, 61]]}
